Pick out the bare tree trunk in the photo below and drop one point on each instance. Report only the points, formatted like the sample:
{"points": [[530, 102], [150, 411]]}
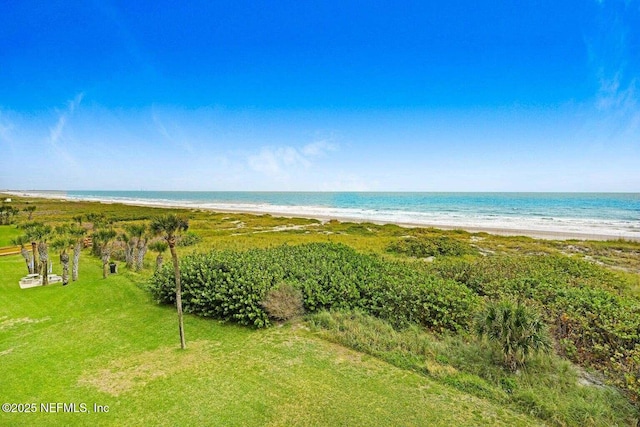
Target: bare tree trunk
{"points": [[34, 254], [134, 254], [105, 262], [142, 250], [27, 259], [44, 259], [76, 260], [64, 260], [176, 272], [129, 254], [159, 261]]}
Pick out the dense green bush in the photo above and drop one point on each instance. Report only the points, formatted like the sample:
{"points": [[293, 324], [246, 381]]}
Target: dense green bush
{"points": [[422, 247], [233, 285]]}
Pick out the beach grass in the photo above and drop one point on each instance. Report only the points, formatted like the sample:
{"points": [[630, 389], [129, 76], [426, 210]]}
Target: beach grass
{"points": [[549, 387]]}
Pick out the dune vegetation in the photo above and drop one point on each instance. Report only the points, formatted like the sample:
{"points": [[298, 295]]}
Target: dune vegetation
{"points": [[293, 321]]}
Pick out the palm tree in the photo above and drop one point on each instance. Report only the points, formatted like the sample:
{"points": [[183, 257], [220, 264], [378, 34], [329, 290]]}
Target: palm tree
{"points": [[21, 241], [141, 246], [138, 244], [30, 210], [129, 246], [515, 328], [168, 226], [7, 213], [41, 234], [103, 238], [77, 233], [96, 220], [29, 229], [160, 247], [63, 243]]}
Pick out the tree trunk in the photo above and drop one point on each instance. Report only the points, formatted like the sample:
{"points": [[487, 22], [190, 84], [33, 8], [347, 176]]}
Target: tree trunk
{"points": [[134, 254], [27, 259], [159, 261], [44, 258], [142, 250], [105, 263], [95, 247], [76, 260], [129, 255], [64, 260], [34, 254], [176, 272]]}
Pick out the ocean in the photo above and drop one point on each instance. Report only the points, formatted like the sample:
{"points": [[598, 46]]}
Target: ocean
{"points": [[613, 215]]}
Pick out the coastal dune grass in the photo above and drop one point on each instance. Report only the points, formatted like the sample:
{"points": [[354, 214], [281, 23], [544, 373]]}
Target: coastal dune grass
{"points": [[103, 341], [548, 387]]}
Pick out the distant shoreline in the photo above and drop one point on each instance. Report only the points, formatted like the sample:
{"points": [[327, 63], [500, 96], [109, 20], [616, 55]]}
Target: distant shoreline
{"points": [[533, 233]]}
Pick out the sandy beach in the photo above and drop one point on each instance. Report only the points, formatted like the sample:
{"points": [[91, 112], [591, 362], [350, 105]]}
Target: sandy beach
{"points": [[291, 212]]}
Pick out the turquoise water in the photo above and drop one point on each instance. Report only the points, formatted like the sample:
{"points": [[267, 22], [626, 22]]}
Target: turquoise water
{"points": [[613, 214], [607, 206]]}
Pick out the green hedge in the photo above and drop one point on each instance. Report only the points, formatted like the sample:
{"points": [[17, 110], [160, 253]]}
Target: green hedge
{"points": [[231, 285]]}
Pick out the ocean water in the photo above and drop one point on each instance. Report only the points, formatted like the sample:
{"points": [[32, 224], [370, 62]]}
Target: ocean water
{"points": [[588, 215], [616, 215]]}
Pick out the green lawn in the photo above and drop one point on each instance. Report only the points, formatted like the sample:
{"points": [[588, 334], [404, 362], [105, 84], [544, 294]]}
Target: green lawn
{"points": [[104, 342], [8, 232]]}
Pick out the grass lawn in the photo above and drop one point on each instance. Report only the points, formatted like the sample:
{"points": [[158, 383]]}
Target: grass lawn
{"points": [[104, 342], [7, 233]]}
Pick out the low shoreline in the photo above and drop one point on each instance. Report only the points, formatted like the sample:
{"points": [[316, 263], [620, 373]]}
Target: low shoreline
{"points": [[502, 231]]}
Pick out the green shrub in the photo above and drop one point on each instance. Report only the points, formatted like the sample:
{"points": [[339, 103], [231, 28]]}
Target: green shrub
{"points": [[231, 285], [189, 239], [422, 247]]}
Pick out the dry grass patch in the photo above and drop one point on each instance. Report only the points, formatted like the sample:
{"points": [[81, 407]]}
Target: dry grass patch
{"points": [[438, 370], [8, 323], [135, 371]]}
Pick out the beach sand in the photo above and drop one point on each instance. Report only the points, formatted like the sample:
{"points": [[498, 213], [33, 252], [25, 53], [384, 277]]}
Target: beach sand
{"points": [[533, 233]]}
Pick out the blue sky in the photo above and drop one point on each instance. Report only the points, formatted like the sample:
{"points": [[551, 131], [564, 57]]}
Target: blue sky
{"points": [[320, 95]]}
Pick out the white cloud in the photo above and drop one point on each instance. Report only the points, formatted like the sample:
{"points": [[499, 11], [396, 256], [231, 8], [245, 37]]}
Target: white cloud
{"points": [[279, 162], [617, 98], [55, 132], [265, 162], [180, 142], [612, 96], [75, 102], [318, 148]]}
